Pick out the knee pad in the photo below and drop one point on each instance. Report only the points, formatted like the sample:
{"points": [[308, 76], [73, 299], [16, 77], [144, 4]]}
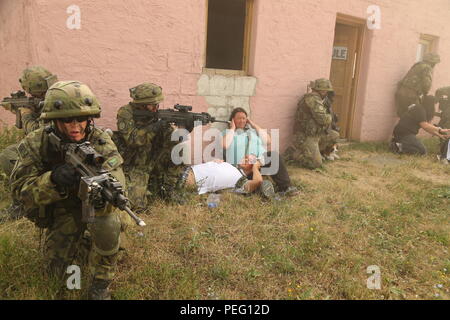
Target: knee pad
{"points": [[105, 231]]}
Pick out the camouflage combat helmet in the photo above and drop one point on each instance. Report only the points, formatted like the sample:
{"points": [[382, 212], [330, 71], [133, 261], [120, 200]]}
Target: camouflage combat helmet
{"points": [[432, 58], [321, 85], [36, 80], [146, 93], [66, 99]]}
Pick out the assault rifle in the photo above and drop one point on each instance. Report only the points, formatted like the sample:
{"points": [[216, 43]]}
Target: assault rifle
{"points": [[97, 186], [328, 101], [181, 116], [18, 100]]}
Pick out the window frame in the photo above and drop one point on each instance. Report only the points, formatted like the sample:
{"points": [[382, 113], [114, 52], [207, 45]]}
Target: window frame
{"points": [[246, 48], [430, 42]]}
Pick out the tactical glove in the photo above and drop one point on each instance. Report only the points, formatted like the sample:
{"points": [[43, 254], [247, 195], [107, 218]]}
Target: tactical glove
{"points": [[64, 175]]}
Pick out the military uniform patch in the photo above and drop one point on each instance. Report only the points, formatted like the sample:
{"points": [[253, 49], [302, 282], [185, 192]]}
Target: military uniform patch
{"points": [[23, 151], [113, 162]]}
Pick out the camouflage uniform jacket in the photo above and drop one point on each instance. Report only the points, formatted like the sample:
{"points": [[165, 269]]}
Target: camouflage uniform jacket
{"points": [[140, 146], [30, 179], [30, 120], [312, 117], [419, 78]]}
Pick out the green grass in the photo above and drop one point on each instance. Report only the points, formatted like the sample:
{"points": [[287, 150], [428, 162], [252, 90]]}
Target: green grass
{"points": [[369, 208]]}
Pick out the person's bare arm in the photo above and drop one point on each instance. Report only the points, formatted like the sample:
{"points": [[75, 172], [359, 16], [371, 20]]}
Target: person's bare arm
{"points": [[257, 179], [265, 137], [228, 137], [435, 131]]}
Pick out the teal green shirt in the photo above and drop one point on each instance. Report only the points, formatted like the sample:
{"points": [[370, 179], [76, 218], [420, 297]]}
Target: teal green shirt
{"points": [[244, 143]]}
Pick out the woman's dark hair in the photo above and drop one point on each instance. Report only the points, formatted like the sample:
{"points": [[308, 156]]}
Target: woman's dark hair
{"points": [[237, 110], [428, 105]]}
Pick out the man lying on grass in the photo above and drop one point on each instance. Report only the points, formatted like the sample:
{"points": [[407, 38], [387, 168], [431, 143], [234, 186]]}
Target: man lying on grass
{"points": [[218, 175]]}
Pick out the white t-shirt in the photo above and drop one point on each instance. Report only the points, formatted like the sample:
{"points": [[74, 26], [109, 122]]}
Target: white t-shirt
{"points": [[212, 176]]}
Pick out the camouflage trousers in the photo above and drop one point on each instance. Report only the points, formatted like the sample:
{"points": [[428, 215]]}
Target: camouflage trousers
{"points": [[8, 158], [404, 97], [145, 186], [306, 151], [65, 243]]}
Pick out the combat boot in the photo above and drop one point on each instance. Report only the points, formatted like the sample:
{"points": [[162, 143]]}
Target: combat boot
{"points": [[99, 290], [268, 191]]}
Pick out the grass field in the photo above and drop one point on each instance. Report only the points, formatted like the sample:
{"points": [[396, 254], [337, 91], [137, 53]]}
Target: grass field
{"points": [[370, 208]]}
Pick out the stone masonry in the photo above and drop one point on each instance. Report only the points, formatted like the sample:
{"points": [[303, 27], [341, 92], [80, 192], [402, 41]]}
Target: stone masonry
{"points": [[224, 93]]}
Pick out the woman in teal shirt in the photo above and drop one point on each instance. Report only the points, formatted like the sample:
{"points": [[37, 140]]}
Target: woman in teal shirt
{"points": [[245, 137]]}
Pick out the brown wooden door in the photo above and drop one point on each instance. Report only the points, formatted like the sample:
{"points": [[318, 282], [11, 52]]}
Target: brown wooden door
{"points": [[343, 74]]}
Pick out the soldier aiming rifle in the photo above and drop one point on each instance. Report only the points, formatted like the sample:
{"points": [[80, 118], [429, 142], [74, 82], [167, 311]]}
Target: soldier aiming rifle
{"points": [[180, 115], [46, 179], [97, 186]]}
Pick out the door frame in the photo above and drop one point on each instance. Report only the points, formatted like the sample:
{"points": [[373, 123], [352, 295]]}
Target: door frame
{"points": [[360, 24]]}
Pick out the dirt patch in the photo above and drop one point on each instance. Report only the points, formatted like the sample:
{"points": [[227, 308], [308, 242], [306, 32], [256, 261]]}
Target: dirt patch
{"points": [[384, 160]]}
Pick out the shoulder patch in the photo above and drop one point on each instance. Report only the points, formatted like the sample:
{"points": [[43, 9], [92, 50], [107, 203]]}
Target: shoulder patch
{"points": [[23, 150], [25, 154], [113, 161]]}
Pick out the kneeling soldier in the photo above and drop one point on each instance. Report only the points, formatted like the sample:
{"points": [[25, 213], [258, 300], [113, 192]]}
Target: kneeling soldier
{"points": [[48, 186], [314, 136]]}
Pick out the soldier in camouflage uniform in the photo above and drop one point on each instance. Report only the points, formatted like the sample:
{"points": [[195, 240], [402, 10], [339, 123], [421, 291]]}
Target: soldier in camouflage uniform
{"points": [[35, 81], [313, 135], [145, 144], [416, 83], [48, 187], [442, 95]]}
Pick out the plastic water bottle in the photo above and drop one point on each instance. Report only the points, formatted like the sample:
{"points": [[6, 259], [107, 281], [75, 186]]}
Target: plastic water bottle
{"points": [[213, 200]]}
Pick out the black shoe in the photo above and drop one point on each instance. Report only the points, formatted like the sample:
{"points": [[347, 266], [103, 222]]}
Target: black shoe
{"points": [[395, 147], [99, 290]]}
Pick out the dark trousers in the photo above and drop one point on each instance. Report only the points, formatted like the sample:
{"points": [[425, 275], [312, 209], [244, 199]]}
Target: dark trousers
{"points": [[281, 177], [444, 149], [411, 145]]}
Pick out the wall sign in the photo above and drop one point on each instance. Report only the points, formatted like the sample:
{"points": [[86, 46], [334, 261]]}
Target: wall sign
{"points": [[340, 53]]}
